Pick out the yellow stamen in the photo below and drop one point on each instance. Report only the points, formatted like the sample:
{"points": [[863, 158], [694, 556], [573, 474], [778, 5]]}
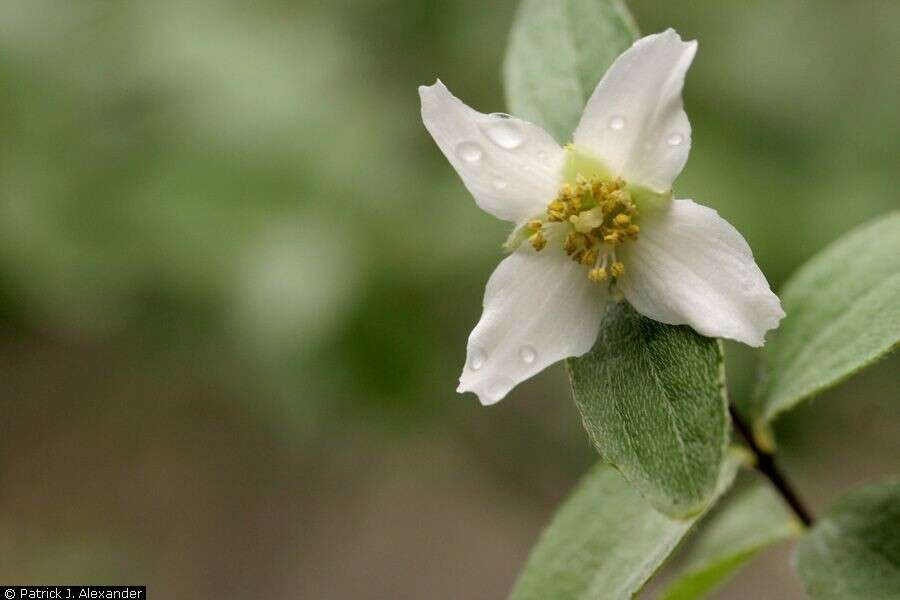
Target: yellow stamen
{"points": [[597, 274], [620, 195], [574, 205], [590, 216], [616, 269]]}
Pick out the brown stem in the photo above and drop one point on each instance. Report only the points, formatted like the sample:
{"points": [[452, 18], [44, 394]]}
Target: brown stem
{"points": [[765, 464]]}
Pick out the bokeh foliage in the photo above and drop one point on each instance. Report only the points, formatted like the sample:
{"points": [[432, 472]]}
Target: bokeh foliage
{"points": [[257, 179]]}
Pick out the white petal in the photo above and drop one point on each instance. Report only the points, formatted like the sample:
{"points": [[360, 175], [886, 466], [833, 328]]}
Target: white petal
{"points": [[634, 121], [512, 168], [690, 266], [539, 307]]}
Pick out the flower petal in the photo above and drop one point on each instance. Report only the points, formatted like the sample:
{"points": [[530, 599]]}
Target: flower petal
{"points": [[512, 168], [634, 121], [690, 266], [539, 307]]}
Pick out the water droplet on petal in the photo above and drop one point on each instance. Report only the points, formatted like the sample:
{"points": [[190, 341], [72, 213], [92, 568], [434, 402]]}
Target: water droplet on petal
{"points": [[617, 122], [674, 139], [504, 131], [477, 358], [528, 354], [469, 152]]}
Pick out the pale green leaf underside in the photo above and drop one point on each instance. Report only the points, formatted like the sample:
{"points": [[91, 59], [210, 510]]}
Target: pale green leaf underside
{"points": [[853, 553], [558, 51], [751, 519], [605, 541], [843, 313], [652, 400]]}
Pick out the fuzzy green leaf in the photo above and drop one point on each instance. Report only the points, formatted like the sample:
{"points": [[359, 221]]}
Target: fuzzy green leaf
{"points": [[605, 541], [558, 51], [652, 400], [853, 553], [843, 313], [737, 529]]}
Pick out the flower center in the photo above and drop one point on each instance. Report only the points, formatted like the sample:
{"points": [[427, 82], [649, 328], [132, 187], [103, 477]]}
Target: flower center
{"points": [[590, 218]]}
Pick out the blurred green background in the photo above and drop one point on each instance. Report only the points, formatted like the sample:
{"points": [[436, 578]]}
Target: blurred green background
{"points": [[237, 277]]}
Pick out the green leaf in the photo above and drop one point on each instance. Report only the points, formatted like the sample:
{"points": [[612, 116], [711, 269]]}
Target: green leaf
{"points": [[735, 531], [843, 313], [854, 551], [652, 400], [558, 51], [605, 541]]}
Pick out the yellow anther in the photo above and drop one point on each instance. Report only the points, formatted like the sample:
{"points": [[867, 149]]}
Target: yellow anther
{"points": [[616, 269], [609, 206], [622, 220], [633, 230], [597, 275], [589, 257], [612, 238], [538, 241], [620, 195], [535, 224]]}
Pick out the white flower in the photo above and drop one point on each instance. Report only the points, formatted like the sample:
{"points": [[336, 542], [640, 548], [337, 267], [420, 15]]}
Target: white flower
{"points": [[596, 218]]}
